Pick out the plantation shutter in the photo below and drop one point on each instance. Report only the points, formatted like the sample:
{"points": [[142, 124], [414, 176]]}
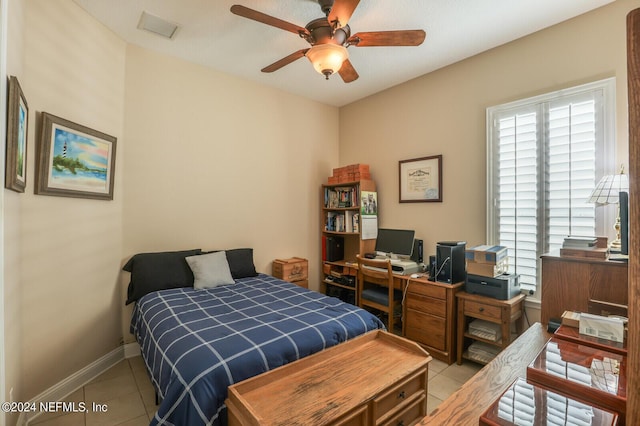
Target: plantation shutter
{"points": [[570, 169], [517, 192], [545, 156]]}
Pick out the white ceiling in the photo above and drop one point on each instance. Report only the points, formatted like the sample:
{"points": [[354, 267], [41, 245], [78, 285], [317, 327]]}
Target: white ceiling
{"points": [[211, 35]]}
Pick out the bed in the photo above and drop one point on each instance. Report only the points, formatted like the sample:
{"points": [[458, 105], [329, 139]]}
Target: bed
{"points": [[197, 341]]}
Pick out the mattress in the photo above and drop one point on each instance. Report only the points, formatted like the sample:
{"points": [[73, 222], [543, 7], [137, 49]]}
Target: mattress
{"points": [[195, 343]]}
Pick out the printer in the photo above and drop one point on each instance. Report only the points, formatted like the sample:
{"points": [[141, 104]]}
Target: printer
{"points": [[405, 267], [502, 287]]}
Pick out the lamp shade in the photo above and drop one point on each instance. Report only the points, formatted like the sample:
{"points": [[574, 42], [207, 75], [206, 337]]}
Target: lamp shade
{"points": [[327, 58], [607, 190]]}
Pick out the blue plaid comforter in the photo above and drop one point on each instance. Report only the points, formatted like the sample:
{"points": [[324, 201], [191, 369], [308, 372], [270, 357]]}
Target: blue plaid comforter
{"points": [[196, 343]]}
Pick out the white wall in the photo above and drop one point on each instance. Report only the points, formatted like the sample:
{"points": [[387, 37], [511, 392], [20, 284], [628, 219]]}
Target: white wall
{"points": [[216, 162], [61, 292]]}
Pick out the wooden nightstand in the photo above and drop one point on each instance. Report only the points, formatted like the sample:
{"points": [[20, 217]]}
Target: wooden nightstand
{"points": [[502, 312], [294, 270]]}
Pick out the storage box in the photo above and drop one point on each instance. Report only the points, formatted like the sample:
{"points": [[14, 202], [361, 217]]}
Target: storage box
{"points": [[293, 269], [571, 319], [488, 269], [486, 254], [610, 328], [350, 173]]}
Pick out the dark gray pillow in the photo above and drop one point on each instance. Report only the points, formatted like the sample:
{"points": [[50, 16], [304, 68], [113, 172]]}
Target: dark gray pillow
{"points": [[241, 263], [158, 271]]}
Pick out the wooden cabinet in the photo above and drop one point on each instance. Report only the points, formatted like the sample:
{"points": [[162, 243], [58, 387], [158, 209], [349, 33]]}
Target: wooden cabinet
{"points": [[582, 285], [374, 379], [501, 312], [294, 270], [341, 234], [430, 316]]}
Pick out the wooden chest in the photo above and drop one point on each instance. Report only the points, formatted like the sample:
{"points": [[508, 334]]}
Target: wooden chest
{"points": [[294, 270], [373, 379]]}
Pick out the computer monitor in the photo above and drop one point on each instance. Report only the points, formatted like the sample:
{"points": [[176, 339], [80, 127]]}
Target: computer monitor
{"points": [[395, 242]]}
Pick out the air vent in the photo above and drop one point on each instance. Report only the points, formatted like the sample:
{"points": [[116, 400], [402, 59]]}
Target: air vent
{"points": [[157, 25]]}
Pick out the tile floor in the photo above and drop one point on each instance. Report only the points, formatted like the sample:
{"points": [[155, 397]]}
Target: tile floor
{"points": [[130, 399]]}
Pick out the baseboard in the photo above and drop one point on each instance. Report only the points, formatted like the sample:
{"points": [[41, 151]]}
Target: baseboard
{"points": [[66, 387], [131, 350]]}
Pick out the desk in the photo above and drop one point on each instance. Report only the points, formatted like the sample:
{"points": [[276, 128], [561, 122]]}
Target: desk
{"points": [[467, 404], [428, 312]]}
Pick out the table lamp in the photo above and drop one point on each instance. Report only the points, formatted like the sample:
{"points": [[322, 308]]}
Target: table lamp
{"points": [[607, 192]]}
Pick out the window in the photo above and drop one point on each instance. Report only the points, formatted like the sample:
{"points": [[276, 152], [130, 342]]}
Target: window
{"points": [[546, 154]]}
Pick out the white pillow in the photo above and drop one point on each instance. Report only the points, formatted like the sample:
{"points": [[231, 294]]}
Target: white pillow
{"points": [[210, 270]]}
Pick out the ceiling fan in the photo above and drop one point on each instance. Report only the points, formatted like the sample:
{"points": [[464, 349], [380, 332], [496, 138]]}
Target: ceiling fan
{"points": [[330, 36]]}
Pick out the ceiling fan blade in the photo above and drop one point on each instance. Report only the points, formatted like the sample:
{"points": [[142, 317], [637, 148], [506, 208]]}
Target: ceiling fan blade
{"points": [[245, 12], [341, 12], [388, 38], [285, 61], [347, 72]]}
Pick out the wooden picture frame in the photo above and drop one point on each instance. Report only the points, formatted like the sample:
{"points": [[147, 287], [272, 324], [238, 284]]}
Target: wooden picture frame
{"points": [[16, 149], [74, 160], [420, 180]]}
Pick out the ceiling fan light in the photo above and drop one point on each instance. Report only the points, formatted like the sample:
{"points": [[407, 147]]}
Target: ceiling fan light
{"points": [[327, 58]]}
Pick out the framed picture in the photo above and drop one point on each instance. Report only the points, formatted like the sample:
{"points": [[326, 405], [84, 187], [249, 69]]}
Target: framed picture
{"points": [[421, 180], [17, 121], [74, 160]]}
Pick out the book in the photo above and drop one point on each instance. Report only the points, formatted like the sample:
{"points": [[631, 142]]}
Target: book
{"points": [[580, 242]]}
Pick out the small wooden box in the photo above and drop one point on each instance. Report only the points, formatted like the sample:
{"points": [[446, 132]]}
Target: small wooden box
{"points": [[293, 270]]}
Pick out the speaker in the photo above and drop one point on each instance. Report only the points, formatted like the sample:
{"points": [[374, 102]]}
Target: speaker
{"points": [[418, 251], [450, 261], [334, 248]]}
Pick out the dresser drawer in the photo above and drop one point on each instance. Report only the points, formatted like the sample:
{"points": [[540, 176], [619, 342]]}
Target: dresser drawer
{"points": [[434, 291], [410, 415], [437, 307], [388, 401], [357, 417], [475, 309], [426, 329]]}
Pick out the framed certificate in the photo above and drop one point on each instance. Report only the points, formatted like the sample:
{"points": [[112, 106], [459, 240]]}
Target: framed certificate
{"points": [[421, 180]]}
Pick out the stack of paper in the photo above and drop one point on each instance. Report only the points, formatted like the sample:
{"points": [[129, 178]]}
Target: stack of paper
{"points": [[485, 329], [483, 352]]}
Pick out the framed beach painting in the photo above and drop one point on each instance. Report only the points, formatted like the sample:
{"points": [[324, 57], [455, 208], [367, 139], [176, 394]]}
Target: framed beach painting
{"points": [[74, 160], [16, 154]]}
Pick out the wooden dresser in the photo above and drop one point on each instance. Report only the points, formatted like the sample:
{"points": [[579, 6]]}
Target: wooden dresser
{"points": [[582, 285], [430, 316], [374, 379]]}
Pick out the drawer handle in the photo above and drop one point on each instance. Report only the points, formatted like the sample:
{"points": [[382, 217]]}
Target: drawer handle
{"points": [[481, 309], [401, 395], [401, 423]]}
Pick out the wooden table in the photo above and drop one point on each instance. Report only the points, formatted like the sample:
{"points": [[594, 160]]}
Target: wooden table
{"points": [[376, 378], [502, 312], [466, 405]]}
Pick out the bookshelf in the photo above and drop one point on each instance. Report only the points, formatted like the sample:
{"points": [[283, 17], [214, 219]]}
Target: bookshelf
{"points": [[348, 210]]}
